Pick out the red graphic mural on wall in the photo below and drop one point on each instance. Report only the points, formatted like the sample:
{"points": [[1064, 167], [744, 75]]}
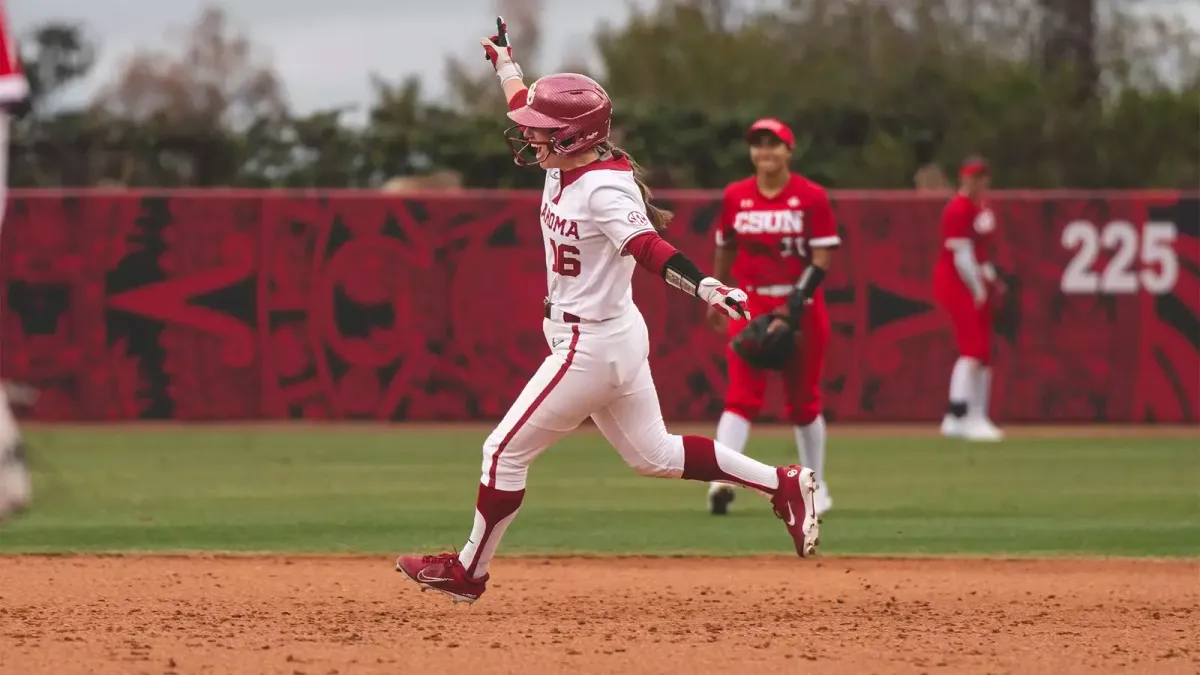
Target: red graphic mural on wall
{"points": [[244, 305]]}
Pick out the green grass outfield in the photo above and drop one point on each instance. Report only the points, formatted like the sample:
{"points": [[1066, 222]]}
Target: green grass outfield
{"points": [[391, 489]]}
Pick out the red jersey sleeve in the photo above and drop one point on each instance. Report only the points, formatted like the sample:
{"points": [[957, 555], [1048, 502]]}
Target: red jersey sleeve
{"points": [[822, 226], [518, 100], [956, 221], [726, 235]]}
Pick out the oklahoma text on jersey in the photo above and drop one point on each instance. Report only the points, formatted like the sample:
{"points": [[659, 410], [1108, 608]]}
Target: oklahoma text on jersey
{"points": [[557, 224]]}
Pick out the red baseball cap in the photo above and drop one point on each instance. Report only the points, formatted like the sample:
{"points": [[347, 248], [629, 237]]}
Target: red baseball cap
{"points": [[975, 166], [775, 128]]}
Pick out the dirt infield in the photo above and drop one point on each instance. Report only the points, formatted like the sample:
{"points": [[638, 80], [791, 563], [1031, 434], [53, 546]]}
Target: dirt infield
{"points": [[325, 616]]}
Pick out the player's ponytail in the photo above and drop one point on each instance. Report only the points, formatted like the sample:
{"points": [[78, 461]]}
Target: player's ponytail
{"points": [[658, 217]]}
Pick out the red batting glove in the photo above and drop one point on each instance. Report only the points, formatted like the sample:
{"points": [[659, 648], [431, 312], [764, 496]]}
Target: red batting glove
{"points": [[501, 59], [491, 54]]}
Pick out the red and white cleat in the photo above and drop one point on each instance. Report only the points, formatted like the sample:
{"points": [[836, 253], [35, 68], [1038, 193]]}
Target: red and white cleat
{"points": [[793, 504], [442, 573]]}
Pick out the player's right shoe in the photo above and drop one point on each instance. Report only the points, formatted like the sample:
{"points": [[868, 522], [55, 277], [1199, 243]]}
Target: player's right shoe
{"points": [[443, 573], [720, 495], [793, 504]]}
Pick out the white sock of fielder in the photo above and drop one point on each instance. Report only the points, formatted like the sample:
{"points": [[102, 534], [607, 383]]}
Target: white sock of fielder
{"points": [[733, 431], [15, 486], [810, 442], [963, 385], [983, 391], [9, 433]]}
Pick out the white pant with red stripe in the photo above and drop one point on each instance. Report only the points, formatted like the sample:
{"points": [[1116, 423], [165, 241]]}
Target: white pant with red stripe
{"points": [[598, 370]]}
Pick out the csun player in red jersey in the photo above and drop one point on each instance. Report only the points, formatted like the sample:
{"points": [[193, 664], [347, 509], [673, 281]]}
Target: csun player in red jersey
{"points": [[967, 287], [776, 237]]}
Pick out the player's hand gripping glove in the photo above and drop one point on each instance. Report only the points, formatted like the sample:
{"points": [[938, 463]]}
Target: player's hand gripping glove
{"points": [[732, 301], [501, 56], [763, 348]]}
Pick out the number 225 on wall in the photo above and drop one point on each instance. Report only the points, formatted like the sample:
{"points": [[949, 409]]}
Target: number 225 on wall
{"points": [[1144, 261]]}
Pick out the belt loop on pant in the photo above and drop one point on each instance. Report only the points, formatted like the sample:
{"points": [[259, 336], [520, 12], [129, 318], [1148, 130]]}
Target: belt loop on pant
{"points": [[555, 314]]}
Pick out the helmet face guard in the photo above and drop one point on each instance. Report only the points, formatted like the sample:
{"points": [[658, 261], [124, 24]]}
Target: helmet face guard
{"points": [[525, 151]]}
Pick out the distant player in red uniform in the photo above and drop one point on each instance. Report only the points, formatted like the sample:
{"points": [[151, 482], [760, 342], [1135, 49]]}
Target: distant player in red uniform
{"points": [[16, 490], [967, 287], [776, 237]]}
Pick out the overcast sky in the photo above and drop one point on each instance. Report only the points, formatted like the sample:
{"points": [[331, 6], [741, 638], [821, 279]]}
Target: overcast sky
{"points": [[325, 49]]}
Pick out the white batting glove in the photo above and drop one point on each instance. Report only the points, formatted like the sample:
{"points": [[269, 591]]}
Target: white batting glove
{"points": [[732, 301], [501, 58]]}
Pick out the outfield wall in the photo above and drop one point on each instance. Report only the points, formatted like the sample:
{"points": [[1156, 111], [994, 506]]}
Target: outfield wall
{"points": [[352, 305]]}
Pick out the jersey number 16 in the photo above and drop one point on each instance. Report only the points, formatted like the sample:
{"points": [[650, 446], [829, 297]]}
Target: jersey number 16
{"points": [[562, 259]]}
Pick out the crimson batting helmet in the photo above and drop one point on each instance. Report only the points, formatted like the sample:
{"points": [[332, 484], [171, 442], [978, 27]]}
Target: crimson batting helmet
{"points": [[574, 108]]}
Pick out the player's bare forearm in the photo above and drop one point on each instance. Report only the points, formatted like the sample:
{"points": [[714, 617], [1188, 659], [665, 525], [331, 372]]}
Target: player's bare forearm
{"points": [[512, 88], [723, 262], [822, 257]]}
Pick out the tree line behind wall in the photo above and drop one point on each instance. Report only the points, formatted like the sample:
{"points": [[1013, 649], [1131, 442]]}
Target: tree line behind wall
{"points": [[1068, 94]]}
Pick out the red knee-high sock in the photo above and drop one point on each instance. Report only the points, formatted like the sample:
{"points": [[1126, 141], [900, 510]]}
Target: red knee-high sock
{"points": [[707, 460], [494, 510]]}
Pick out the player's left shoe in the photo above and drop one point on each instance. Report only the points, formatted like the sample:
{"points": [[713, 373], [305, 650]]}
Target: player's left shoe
{"points": [[793, 504], [720, 496], [443, 573]]}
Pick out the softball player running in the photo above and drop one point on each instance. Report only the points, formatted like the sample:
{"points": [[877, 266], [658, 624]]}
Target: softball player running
{"points": [[597, 226]]}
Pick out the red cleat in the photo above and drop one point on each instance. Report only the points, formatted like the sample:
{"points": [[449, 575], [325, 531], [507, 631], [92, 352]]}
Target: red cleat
{"points": [[793, 505], [442, 573]]}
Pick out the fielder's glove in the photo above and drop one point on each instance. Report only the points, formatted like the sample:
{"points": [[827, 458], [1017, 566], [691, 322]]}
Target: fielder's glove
{"points": [[763, 349]]}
